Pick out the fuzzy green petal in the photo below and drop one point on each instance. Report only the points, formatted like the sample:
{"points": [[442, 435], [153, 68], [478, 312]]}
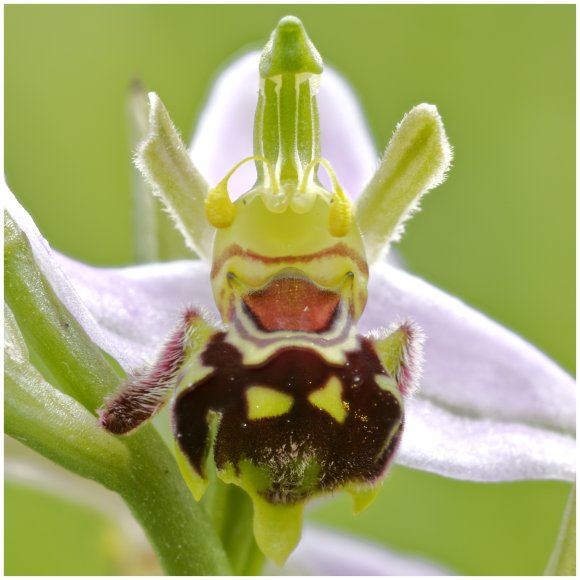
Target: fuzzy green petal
{"points": [[165, 164], [415, 161]]}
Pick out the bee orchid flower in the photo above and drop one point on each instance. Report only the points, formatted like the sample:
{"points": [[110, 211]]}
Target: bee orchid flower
{"points": [[304, 386]]}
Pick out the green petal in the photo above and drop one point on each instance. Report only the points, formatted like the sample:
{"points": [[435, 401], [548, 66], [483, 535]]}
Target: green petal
{"points": [[415, 161], [165, 163], [154, 235]]}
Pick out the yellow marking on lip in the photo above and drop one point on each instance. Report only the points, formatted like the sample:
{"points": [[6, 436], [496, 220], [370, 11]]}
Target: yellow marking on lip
{"points": [[389, 384], [329, 399], [264, 402], [196, 482]]}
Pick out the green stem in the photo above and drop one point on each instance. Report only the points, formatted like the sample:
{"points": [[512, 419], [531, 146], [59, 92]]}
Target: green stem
{"points": [[58, 427], [177, 526], [76, 363], [139, 467], [563, 559]]}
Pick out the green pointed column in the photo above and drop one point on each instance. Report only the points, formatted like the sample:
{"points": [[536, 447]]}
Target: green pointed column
{"points": [[286, 126]]}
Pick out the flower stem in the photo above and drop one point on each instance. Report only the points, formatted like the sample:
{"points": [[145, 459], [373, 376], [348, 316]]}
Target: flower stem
{"points": [[179, 530], [563, 559], [139, 467], [76, 363]]}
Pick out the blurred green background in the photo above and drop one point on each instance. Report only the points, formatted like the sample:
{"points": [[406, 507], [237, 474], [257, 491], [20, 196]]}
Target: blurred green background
{"points": [[499, 233]]}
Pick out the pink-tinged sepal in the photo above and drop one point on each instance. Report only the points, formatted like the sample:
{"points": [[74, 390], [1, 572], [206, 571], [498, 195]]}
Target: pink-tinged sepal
{"points": [[147, 391]]}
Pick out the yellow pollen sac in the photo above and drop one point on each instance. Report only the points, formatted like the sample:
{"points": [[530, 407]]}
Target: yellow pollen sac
{"points": [[329, 399], [340, 216], [219, 209], [264, 402]]}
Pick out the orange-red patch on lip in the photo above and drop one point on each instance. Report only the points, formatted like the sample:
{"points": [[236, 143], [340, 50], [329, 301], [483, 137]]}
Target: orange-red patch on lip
{"points": [[292, 304]]}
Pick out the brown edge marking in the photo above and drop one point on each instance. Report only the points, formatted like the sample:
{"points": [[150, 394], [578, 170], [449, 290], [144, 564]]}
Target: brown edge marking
{"points": [[336, 250]]}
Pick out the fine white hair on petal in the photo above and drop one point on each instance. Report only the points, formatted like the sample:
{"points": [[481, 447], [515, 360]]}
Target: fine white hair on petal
{"points": [[144, 393], [415, 161], [410, 371], [324, 552], [138, 306], [449, 443], [224, 132]]}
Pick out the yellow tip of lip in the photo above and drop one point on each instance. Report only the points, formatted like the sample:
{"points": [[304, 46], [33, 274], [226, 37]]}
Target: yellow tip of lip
{"points": [[277, 528]]}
